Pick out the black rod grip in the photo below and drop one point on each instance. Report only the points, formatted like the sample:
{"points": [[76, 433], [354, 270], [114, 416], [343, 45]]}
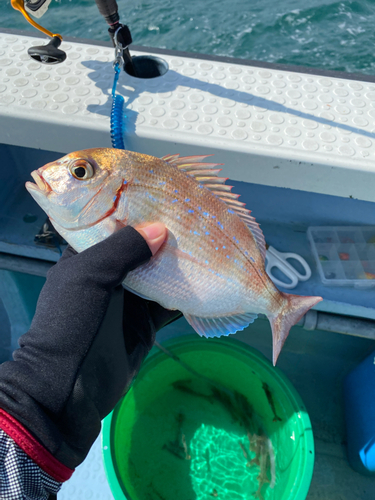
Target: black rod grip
{"points": [[109, 10]]}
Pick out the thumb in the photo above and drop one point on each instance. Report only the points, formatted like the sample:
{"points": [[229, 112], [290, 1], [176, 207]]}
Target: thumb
{"points": [[155, 234]]}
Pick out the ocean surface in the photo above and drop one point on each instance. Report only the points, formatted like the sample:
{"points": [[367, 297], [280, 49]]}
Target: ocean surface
{"points": [[324, 34]]}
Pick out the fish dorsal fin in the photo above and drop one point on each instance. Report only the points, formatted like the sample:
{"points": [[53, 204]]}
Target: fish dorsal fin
{"points": [[206, 174], [184, 160], [216, 327]]}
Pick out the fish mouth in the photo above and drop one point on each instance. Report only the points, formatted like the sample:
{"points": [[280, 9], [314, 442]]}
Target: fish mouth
{"points": [[40, 184]]}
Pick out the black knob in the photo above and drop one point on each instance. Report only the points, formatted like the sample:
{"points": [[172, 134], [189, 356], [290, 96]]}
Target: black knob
{"points": [[48, 54]]}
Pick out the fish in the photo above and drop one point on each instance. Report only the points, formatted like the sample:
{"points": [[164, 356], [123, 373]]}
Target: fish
{"points": [[271, 401], [226, 400], [179, 446], [244, 452], [174, 450], [261, 445], [185, 447], [211, 267], [207, 457], [183, 386]]}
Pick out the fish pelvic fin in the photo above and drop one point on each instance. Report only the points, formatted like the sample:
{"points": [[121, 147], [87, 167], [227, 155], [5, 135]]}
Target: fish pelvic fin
{"points": [[218, 326], [294, 307]]}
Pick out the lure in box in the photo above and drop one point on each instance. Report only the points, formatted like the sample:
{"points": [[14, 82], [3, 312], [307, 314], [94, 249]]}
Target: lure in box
{"points": [[345, 255]]}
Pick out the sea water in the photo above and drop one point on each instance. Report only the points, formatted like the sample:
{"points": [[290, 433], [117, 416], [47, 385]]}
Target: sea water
{"points": [[324, 34]]}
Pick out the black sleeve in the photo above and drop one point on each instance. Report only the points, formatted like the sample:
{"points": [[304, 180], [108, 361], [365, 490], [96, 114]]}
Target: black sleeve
{"points": [[72, 365]]}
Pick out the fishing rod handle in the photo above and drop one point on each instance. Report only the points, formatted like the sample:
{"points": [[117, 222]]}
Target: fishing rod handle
{"points": [[109, 10]]}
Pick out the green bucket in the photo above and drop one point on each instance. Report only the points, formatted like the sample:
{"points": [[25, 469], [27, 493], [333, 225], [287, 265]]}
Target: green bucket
{"points": [[171, 437]]}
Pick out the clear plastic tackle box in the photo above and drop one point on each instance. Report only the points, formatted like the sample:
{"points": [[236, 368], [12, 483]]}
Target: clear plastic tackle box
{"points": [[345, 255]]}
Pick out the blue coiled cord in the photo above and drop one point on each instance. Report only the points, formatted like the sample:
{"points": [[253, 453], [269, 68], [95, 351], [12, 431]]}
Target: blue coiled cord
{"points": [[117, 118]]}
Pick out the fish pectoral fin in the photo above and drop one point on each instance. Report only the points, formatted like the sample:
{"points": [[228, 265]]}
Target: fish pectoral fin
{"points": [[218, 326]]}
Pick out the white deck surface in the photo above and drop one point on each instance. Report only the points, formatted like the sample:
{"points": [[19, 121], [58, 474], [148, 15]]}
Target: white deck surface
{"points": [[271, 127]]}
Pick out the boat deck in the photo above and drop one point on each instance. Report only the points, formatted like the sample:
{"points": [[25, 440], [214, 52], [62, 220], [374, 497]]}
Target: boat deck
{"points": [[297, 145], [270, 124], [316, 363]]}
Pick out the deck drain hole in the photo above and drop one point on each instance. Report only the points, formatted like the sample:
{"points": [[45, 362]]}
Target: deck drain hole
{"points": [[147, 67]]}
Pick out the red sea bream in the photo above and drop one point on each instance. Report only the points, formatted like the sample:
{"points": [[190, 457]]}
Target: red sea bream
{"points": [[211, 266]]}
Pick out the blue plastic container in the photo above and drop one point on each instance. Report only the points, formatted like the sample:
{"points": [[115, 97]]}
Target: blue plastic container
{"points": [[360, 416]]}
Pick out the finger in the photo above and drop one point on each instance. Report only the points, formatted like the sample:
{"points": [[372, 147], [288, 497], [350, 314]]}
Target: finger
{"points": [[154, 234]]}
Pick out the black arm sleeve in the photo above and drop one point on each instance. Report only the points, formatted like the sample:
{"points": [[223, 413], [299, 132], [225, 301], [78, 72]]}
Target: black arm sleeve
{"points": [[72, 366]]}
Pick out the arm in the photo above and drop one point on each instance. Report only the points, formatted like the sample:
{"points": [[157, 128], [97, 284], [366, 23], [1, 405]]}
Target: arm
{"points": [[20, 477], [81, 353]]}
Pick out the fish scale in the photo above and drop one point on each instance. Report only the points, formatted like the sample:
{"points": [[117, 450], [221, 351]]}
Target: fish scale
{"points": [[209, 203], [211, 267], [188, 223], [205, 203]]}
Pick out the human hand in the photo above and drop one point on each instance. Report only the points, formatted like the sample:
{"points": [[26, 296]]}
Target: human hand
{"points": [[155, 234], [86, 343]]}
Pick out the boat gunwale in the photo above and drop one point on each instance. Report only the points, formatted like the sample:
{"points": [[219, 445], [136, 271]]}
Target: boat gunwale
{"points": [[208, 57]]}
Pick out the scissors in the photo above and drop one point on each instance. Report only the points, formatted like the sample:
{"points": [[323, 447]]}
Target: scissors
{"points": [[279, 260]]}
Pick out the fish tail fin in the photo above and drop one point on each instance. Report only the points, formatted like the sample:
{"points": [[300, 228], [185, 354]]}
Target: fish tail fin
{"points": [[294, 307]]}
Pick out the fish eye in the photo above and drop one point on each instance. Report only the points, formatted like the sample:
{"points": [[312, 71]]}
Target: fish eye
{"points": [[81, 170]]}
